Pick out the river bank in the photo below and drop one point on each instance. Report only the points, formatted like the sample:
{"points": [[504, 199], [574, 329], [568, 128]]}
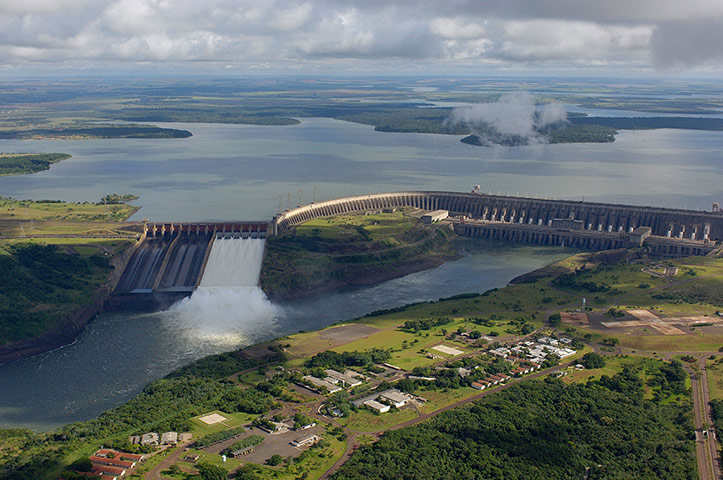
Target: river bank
{"points": [[68, 330]]}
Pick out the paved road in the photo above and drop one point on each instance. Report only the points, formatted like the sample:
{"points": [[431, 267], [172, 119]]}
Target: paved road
{"points": [[155, 474], [705, 445]]}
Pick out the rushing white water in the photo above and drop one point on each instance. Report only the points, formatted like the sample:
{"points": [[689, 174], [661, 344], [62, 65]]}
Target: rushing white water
{"points": [[228, 309], [234, 262]]}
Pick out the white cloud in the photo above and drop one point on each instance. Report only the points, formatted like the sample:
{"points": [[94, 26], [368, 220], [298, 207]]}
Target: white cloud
{"points": [[612, 33]]}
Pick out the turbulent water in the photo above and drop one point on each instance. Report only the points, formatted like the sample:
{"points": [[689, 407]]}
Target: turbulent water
{"points": [[228, 303]]}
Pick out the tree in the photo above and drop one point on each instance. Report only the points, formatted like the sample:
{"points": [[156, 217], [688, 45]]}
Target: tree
{"points": [[611, 341], [212, 472], [275, 460], [593, 360]]}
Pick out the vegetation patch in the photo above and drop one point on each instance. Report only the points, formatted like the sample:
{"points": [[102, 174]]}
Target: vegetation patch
{"points": [[537, 430], [19, 163]]}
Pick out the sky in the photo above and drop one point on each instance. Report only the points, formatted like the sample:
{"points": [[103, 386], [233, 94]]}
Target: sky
{"points": [[618, 37]]}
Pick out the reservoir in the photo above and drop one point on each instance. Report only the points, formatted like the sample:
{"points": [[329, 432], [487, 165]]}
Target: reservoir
{"points": [[236, 172]]}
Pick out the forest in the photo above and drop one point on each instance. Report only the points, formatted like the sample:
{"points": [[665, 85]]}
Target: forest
{"points": [[540, 430], [19, 163], [33, 275]]}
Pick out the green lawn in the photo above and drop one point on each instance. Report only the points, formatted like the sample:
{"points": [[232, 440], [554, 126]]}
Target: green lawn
{"points": [[366, 421]]}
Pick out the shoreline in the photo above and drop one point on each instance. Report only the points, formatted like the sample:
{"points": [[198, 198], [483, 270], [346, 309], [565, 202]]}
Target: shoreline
{"points": [[362, 281], [68, 331]]}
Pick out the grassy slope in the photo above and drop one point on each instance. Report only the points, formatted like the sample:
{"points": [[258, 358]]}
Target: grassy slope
{"points": [[328, 253], [46, 279]]}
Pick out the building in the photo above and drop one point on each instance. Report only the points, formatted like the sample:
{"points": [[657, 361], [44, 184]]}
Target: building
{"points": [[347, 378], [184, 437], [242, 452], [379, 407], [169, 438], [394, 397], [305, 441], [129, 457], [322, 384], [107, 470], [112, 462], [500, 352], [134, 439], [192, 457], [435, 216], [150, 438], [479, 385]]}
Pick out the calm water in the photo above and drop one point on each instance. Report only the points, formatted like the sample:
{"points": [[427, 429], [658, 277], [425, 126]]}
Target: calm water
{"points": [[229, 172]]}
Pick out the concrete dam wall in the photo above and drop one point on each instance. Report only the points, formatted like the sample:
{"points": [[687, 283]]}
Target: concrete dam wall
{"points": [[169, 261], [593, 226], [600, 217]]}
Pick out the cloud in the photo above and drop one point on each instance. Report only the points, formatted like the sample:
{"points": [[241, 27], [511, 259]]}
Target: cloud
{"points": [[513, 115], [688, 43], [423, 33]]}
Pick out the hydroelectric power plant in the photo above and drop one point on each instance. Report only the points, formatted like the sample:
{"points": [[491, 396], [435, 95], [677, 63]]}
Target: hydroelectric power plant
{"points": [[171, 260]]}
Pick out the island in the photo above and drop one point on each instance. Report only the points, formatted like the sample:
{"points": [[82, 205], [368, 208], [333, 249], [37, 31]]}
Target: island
{"points": [[21, 163]]}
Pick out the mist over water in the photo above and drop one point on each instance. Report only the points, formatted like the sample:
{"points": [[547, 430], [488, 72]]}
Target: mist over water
{"points": [[228, 308], [223, 316]]}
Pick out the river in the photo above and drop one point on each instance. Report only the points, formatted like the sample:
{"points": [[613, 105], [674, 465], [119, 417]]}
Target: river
{"points": [[231, 172]]}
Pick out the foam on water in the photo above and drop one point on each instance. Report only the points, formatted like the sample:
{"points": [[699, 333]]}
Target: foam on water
{"points": [[228, 309]]}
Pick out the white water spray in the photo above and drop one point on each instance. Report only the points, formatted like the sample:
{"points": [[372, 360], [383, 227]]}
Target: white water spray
{"points": [[228, 308]]}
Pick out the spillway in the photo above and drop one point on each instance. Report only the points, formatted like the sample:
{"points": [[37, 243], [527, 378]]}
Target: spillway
{"points": [[234, 262]]}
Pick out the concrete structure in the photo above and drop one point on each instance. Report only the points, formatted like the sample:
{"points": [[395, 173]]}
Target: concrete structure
{"points": [[169, 438], [169, 260], [305, 440], [346, 379], [594, 226], [150, 438], [435, 216], [394, 397], [379, 407], [330, 387]]}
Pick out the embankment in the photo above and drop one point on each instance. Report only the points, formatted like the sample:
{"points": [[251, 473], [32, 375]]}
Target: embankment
{"points": [[66, 332], [296, 267]]}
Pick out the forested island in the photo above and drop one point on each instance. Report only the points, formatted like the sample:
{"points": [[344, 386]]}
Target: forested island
{"points": [[92, 131], [20, 163]]}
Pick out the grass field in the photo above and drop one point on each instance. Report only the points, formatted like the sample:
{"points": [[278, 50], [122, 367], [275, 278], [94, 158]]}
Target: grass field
{"points": [[714, 369], [436, 399], [366, 421], [237, 419]]}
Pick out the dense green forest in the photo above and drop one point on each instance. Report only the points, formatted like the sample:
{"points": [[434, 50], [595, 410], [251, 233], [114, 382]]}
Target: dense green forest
{"points": [[41, 284], [18, 163], [540, 430], [88, 131]]}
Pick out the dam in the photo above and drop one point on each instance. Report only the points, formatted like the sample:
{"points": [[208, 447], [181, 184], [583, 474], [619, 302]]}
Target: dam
{"points": [[171, 260]]}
